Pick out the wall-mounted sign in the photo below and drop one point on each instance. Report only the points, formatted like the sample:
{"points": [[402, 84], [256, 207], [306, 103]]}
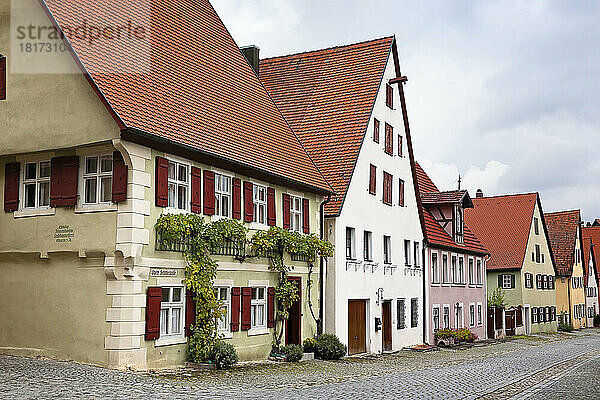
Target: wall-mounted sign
{"points": [[163, 272], [64, 234]]}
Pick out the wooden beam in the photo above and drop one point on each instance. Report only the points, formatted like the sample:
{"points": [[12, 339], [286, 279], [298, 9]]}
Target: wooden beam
{"points": [[400, 79]]}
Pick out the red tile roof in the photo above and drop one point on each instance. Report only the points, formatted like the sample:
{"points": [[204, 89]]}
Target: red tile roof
{"points": [[200, 92], [453, 196], [435, 234], [502, 224], [593, 233], [327, 97], [562, 230], [587, 246]]}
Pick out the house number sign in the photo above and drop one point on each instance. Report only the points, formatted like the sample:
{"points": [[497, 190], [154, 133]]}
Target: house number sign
{"points": [[64, 234]]}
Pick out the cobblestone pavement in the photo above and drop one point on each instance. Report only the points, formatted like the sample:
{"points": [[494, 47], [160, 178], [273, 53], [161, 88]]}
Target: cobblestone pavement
{"points": [[553, 366]]}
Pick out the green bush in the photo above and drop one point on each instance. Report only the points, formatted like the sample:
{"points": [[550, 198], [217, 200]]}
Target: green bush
{"points": [[597, 320], [292, 352], [329, 347], [223, 355], [565, 327], [459, 335], [309, 345]]}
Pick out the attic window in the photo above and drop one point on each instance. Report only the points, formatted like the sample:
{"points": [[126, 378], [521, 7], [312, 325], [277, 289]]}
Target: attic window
{"points": [[2, 77]]}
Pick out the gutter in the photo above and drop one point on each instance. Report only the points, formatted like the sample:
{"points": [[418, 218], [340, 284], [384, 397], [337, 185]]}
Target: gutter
{"points": [[322, 268]]}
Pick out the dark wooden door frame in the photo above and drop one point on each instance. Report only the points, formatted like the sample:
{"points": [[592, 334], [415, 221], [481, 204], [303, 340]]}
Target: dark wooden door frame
{"points": [[298, 280], [386, 319]]}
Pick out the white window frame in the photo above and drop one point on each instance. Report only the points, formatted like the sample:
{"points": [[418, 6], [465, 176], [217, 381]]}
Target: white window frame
{"points": [[37, 181], [225, 330], [221, 194], [479, 268], [177, 183], [350, 243], [504, 281], [454, 269], [471, 269], [387, 249], [446, 307], [461, 270], [295, 213], [435, 268], [480, 315], [254, 306], [99, 175], [446, 278], [368, 246], [258, 204], [407, 251], [417, 255], [460, 317], [172, 338], [436, 307], [472, 315]]}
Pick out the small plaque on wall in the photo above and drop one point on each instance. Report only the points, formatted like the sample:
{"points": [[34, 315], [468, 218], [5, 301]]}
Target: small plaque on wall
{"points": [[163, 272]]}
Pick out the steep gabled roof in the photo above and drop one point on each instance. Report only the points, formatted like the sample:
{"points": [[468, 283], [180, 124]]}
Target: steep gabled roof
{"points": [[588, 250], [199, 95], [434, 233], [502, 224], [593, 233], [327, 97], [448, 197], [562, 230]]}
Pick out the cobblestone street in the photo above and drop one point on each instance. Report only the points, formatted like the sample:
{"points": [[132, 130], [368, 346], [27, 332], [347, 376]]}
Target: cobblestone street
{"points": [[557, 366]]}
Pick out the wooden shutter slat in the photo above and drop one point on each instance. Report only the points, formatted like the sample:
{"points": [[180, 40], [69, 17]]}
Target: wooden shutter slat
{"points": [[209, 192], [235, 308], [271, 308], [3, 78], [373, 180], [246, 299], [248, 202], [400, 146], [190, 312], [12, 173], [286, 211], [196, 202], [153, 300], [401, 193], [376, 130], [162, 182], [70, 178], [305, 216], [271, 210], [236, 203], [119, 180]]}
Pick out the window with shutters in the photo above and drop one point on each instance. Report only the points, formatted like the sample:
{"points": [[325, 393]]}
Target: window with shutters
{"points": [[436, 317], [471, 315], [389, 96], [479, 273], [376, 130], [528, 280], [534, 315], [97, 179], [387, 249], [35, 185], [259, 196], [435, 273], [545, 282], [171, 312], [389, 139], [414, 312], [446, 317], [407, 252], [258, 307], [506, 281], [387, 188], [223, 194], [179, 186], [401, 313], [445, 271], [471, 272], [400, 150], [295, 213], [350, 243], [479, 314], [368, 245], [538, 281], [373, 180], [401, 192], [223, 295]]}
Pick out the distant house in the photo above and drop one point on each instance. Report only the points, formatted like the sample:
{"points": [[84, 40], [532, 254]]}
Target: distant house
{"points": [[513, 229], [593, 233], [591, 281], [455, 261], [346, 104], [564, 230]]}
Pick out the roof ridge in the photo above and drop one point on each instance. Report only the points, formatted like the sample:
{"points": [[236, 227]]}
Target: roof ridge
{"points": [[328, 48], [508, 195], [563, 212]]}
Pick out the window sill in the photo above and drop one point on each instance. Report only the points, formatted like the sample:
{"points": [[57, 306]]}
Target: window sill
{"points": [[83, 209], [225, 334], [168, 210], [37, 212], [258, 332], [169, 341], [258, 226]]}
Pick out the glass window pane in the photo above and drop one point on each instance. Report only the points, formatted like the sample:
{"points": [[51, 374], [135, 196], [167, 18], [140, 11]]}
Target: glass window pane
{"points": [[261, 293], [30, 169], [261, 316], [226, 184], [91, 165], [182, 197], [91, 190], [171, 170], [165, 295], [225, 208], [176, 295], [223, 294], [183, 175], [253, 315], [261, 214], [106, 190], [164, 321], [45, 169], [254, 290], [172, 195], [106, 164], [176, 320], [30, 195], [44, 194]]}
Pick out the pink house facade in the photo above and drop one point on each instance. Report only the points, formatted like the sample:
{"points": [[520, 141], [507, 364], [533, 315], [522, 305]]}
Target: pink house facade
{"points": [[455, 260]]}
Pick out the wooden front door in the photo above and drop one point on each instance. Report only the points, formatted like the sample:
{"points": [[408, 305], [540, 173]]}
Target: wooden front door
{"points": [[491, 325], [293, 324], [357, 326], [510, 322], [386, 319]]}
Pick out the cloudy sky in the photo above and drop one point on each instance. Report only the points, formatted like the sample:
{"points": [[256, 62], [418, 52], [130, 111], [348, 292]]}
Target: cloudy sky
{"points": [[506, 93]]}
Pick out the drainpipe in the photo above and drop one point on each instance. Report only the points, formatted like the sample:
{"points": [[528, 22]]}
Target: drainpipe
{"points": [[322, 269], [424, 259]]}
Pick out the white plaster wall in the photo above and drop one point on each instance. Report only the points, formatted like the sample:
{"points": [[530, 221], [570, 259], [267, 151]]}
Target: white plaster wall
{"points": [[364, 211]]}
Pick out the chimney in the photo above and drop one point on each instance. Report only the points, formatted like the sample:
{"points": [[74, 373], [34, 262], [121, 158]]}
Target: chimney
{"points": [[479, 193], [252, 55], [589, 224]]}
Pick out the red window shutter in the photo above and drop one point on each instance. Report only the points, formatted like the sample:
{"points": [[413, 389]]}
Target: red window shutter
{"points": [[12, 172], [196, 204], [209, 192], [153, 297], [236, 203], [271, 212], [401, 193], [235, 308], [400, 153], [376, 130], [119, 181], [190, 312], [271, 308], [2, 78], [70, 177], [387, 188], [248, 202], [389, 95], [246, 297], [373, 180], [286, 211], [162, 182], [389, 139], [305, 216]]}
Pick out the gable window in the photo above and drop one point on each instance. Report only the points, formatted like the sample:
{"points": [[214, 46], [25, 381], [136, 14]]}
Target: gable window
{"points": [[454, 271], [223, 195], [461, 270], [536, 226], [389, 139], [171, 312], [436, 318], [387, 248], [459, 220], [368, 246], [537, 253], [538, 281], [471, 272], [407, 252], [222, 295], [389, 96], [400, 151], [97, 179], [296, 214], [350, 243], [373, 180], [417, 255], [36, 185], [545, 282], [445, 272], [400, 192], [435, 277], [446, 317], [258, 304], [259, 199], [387, 188], [479, 273], [376, 130]]}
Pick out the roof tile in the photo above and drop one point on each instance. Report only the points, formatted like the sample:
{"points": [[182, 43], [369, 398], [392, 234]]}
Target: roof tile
{"points": [[562, 230]]}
